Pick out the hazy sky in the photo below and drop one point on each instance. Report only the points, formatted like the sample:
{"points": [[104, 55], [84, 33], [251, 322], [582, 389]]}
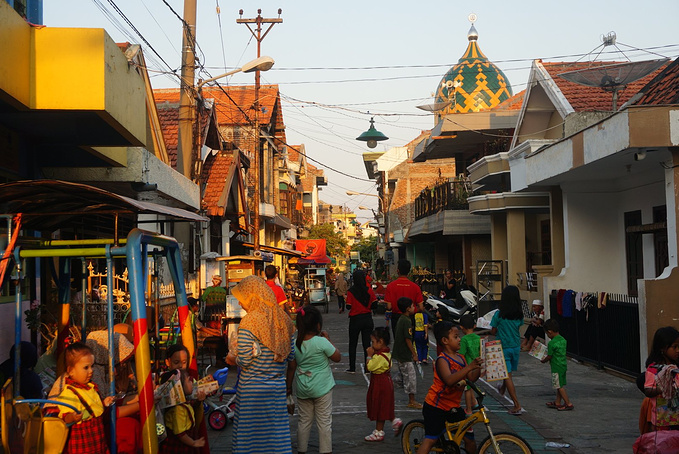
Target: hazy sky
{"points": [[335, 61]]}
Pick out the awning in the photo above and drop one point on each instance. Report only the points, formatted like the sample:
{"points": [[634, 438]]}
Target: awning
{"points": [[319, 261], [49, 204], [281, 221], [275, 250]]}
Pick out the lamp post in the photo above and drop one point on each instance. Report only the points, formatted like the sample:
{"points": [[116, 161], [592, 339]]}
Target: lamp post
{"points": [[263, 63]]}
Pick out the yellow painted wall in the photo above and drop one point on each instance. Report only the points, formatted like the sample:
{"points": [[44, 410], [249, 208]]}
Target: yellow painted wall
{"points": [[68, 69], [15, 36]]}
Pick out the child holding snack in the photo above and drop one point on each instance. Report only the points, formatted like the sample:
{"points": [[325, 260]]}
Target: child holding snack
{"points": [[556, 355]]}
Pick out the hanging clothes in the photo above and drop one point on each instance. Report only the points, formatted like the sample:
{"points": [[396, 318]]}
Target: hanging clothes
{"points": [[559, 301], [602, 300], [567, 303], [578, 301]]}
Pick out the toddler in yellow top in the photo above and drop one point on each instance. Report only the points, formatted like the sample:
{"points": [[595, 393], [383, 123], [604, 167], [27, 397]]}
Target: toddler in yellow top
{"points": [[87, 433]]}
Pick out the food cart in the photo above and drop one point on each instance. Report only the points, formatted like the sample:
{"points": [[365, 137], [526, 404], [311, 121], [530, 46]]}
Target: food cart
{"points": [[315, 284]]}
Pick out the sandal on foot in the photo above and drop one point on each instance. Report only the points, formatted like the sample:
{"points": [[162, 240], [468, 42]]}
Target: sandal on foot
{"points": [[568, 407], [397, 425], [516, 412], [377, 435], [552, 405], [415, 405]]}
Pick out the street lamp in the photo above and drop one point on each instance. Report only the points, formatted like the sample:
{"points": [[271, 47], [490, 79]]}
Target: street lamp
{"points": [[263, 63], [372, 135]]}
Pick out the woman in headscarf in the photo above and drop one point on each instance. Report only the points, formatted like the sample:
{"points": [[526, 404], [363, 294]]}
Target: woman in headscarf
{"points": [[360, 297], [264, 352]]}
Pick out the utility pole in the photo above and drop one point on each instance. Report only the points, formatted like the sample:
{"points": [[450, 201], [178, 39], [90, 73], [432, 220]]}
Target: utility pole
{"points": [[187, 111], [257, 33]]}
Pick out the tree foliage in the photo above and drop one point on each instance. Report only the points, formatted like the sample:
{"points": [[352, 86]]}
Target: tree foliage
{"points": [[367, 247], [336, 244]]}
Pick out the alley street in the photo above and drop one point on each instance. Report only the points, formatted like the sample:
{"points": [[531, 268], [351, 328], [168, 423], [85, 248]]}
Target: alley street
{"points": [[604, 420]]}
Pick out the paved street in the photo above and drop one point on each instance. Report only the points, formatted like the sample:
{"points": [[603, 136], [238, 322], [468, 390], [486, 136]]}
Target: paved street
{"points": [[604, 420]]}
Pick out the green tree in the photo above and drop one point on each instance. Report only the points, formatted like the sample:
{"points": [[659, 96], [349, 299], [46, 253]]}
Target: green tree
{"points": [[367, 247], [335, 243]]}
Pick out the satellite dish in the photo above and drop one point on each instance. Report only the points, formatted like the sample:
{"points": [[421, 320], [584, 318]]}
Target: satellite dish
{"points": [[435, 107], [613, 77]]}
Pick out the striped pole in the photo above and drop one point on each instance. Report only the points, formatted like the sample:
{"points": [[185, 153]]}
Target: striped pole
{"points": [[65, 304], [142, 354], [174, 259]]}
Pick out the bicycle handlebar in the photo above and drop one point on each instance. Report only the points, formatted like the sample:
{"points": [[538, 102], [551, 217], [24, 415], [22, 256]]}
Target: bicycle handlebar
{"points": [[479, 394]]}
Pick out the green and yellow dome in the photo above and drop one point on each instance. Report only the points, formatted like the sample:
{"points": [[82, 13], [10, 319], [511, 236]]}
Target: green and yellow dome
{"points": [[474, 83]]}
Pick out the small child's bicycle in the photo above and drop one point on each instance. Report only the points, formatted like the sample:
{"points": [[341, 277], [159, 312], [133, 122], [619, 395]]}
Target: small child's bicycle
{"points": [[449, 442], [219, 415]]}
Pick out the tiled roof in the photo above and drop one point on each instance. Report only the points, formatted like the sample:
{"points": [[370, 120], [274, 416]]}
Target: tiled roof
{"points": [[216, 171], [583, 98], [229, 113], [513, 103], [167, 104], [293, 153], [168, 114], [663, 89]]}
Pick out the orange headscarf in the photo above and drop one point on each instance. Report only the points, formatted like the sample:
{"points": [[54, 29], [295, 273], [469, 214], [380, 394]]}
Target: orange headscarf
{"points": [[264, 319]]}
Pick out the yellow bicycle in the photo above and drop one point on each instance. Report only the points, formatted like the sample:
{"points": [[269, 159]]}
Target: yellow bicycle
{"points": [[449, 442]]}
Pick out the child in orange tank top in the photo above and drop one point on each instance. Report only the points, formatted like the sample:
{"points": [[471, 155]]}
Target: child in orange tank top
{"points": [[443, 399]]}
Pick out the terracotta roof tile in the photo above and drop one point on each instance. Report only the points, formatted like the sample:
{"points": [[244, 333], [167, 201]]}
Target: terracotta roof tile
{"points": [[216, 170], [228, 112], [168, 114], [663, 89], [293, 153], [513, 103], [583, 98]]}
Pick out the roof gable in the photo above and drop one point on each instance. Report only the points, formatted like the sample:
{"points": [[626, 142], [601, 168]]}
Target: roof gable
{"points": [[662, 90]]}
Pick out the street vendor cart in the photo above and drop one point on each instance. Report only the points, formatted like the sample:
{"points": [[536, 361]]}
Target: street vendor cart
{"points": [[315, 284]]}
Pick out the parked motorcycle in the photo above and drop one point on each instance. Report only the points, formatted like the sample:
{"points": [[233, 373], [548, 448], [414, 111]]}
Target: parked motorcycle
{"points": [[452, 310]]}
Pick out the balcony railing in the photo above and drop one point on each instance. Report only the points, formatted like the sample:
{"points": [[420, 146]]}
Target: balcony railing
{"points": [[449, 195]]}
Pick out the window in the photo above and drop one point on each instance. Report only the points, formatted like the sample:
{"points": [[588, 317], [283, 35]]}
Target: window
{"points": [[662, 259]]}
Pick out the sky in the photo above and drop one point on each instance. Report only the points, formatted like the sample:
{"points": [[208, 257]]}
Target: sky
{"points": [[340, 63]]}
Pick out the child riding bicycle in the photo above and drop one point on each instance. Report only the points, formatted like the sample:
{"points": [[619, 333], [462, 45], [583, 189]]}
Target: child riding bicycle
{"points": [[443, 399]]}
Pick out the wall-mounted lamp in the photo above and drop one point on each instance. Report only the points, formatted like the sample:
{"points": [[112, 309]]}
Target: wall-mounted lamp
{"points": [[372, 135]]}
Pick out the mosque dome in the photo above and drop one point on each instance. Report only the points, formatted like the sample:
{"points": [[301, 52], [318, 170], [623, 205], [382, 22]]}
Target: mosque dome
{"points": [[474, 83]]}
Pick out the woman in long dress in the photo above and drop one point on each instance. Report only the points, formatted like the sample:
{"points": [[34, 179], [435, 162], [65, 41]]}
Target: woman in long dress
{"points": [[264, 351]]}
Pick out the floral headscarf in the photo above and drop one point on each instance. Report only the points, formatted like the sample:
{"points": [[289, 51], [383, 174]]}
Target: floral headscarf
{"points": [[264, 319]]}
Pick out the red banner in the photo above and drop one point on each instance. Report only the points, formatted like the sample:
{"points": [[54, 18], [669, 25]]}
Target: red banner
{"points": [[314, 250]]}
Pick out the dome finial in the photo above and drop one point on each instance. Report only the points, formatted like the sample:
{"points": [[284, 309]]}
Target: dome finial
{"points": [[472, 35]]}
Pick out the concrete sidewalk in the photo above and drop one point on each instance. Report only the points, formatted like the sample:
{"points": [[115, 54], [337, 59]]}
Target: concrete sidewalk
{"points": [[604, 420]]}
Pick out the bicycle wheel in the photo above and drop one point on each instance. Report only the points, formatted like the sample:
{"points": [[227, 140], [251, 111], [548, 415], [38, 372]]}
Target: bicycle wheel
{"points": [[509, 443], [412, 435]]}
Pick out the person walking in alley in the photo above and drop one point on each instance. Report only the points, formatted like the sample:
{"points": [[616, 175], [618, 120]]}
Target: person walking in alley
{"points": [[556, 355], [404, 351], [360, 297], [400, 287], [505, 326], [340, 291]]}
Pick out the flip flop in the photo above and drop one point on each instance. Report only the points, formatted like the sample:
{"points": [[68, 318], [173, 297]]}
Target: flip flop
{"points": [[566, 407], [516, 412], [552, 405]]}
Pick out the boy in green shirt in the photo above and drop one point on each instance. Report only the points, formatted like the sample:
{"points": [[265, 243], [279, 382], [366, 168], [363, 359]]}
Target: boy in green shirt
{"points": [[556, 355], [470, 348]]}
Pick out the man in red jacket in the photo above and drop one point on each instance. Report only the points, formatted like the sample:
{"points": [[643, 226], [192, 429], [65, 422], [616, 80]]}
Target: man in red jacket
{"points": [[402, 286]]}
